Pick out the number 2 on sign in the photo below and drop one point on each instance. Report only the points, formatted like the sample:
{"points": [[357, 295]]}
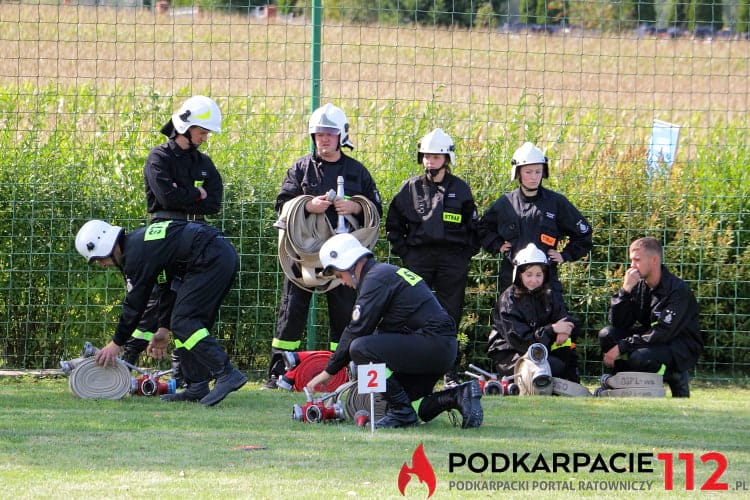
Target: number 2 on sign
{"points": [[371, 378], [710, 484]]}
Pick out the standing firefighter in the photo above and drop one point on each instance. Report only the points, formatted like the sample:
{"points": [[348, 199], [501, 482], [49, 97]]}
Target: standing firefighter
{"points": [[209, 263], [397, 321], [181, 183], [533, 214], [431, 224], [313, 176]]}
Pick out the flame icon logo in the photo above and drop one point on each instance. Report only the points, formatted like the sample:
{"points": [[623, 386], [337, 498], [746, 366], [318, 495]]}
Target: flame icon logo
{"points": [[421, 468]]}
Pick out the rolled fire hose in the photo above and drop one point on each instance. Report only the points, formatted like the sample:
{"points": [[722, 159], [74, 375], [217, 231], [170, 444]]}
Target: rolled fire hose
{"points": [[355, 402], [301, 236], [88, 380]]}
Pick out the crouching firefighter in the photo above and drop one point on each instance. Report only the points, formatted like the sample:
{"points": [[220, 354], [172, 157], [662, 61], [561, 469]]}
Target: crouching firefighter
{"points": [[397, 321], [210, 264]]}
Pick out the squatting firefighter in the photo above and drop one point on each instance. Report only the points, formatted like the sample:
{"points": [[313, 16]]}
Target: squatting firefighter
{"points": [[528, 312], [397, 320], [653, 319], [181, 183], [315, 174], [431, 225], [209, 262]]}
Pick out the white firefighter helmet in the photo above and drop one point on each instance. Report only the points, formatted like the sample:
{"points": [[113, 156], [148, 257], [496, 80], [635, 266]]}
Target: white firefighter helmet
{"points": [[530, 255], [436, 142], [200, 111], [341, 252], [330, 119], [96, 239], [528, 154]]}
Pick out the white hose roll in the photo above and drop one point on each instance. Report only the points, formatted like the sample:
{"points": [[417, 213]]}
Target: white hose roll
{"points": [[88, 380]]}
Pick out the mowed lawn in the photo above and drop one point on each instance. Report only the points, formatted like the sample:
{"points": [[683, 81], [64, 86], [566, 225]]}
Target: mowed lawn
{"points": [[57, 446]]}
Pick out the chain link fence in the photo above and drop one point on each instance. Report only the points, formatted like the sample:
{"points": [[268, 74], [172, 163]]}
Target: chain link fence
{"points": [[85, 87]]}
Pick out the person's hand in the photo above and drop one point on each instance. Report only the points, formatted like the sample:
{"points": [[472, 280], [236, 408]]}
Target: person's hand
{"points": [[204, 193], [318, 205], [107, 355], [554, 255], [157, 347], [631, 278], [563, 326], [346, 207], [318, 380], [505, 247], [610, 356]]}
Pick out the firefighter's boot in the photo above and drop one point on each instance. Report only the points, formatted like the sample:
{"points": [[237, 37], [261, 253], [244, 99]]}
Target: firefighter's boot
{"points": [[177, 374], [398, 412], [679, 383], [195, 391], [229, 381], [466, 398]]}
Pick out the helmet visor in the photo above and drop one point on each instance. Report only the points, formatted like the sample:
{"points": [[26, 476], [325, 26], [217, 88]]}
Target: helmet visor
{"points": [[325, 130]]}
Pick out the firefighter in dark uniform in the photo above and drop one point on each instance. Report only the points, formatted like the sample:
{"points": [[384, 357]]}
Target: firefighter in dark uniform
{"points": [[533, 214], [181, 183], [315, 174], [431, 223], [209, 262], [397, 320], [653, 319], [528, 312]]}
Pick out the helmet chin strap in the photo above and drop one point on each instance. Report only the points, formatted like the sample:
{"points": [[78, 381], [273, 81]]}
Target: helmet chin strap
{"points": [[189, 136], [432, 172], [355, 281], [527, 191]]}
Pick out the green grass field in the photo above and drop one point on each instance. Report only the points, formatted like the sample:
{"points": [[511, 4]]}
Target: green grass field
{"points": [[57, 446]]}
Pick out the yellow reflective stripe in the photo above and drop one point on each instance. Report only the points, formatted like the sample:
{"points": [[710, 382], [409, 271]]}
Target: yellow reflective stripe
{"points": [[156, 231], [198, 184], [287, 345], [662, 369], [451, 217], [162, 277], [192, 340], [333, 345], [567, 343], [409, 276], [140, 334]]}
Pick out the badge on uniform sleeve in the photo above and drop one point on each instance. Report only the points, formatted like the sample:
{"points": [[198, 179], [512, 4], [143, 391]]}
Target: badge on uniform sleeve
{"points": [[583, 227], [667, 316], [128, 285], [356, 313]]}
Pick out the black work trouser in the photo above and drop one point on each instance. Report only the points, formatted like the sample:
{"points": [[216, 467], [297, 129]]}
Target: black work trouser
{"points": [[208, 278], [644, 359], [417, 360]]}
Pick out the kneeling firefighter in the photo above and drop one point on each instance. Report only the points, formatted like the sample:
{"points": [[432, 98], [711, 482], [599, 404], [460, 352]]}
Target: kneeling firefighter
{"points": [[397, 321]]}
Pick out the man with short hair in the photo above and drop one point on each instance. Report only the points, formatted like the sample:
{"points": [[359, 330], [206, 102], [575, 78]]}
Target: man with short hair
{"points": [[654, 321]]}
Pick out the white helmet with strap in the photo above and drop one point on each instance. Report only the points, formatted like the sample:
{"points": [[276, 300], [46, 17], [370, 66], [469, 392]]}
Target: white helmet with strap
{"points": [[96, 239], [530, 255], [341, 252], [436, 142], [528, 154], [329, 119], [198, 111]]}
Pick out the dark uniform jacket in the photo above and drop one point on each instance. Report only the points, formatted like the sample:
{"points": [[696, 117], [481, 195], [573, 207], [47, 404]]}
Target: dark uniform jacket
{"points": [[169, 164], [668, 314], [391, 299], [544, 220], [311, 175], [521, 319], [164, 246], [426, 213]]}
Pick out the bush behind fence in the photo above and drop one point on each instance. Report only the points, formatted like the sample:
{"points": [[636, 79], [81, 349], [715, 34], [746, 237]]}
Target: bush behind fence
{"points": [[56, 174]]}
